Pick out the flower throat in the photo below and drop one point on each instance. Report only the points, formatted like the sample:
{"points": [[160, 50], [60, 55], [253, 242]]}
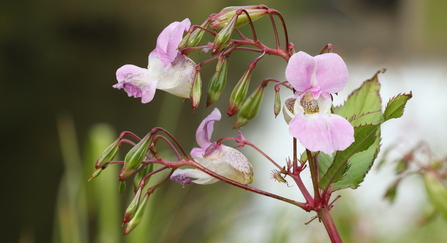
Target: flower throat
{"points": [[309, 104]]}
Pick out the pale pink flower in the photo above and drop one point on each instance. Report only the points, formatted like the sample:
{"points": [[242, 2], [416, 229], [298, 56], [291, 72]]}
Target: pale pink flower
{"points": [[221, 159], [308, 111], [167, 68]]}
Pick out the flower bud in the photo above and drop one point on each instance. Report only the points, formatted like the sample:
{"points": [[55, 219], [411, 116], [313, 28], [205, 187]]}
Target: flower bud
{"points": [[218, 81], [133, 206], [221, 19], [138, 216], [196, 91], [223, 38], [239, 93], [135, 156], [250, 108], [277, 103], [107, 155]]}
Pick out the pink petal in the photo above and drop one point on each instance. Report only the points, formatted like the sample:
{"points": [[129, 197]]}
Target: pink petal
{"points": [[326, 133], [331, 73], [123, 72], [197, 152], [205, 129], [169, 39], [326, 71], [148, 93], [299, 71], [136, 82]]}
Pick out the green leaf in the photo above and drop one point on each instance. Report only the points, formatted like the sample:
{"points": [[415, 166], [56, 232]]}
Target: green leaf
{"points": [[364, 137], [364, 105], [396, 105], [324, 162], [437, 193], [359, 165]]}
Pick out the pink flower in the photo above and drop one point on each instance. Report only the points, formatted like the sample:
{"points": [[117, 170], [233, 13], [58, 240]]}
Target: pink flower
{"points": [[167, 68], [308, 111], [223, 160]]}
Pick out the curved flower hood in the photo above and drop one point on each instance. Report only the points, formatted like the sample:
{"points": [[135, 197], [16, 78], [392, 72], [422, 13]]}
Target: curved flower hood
{"points": [[224, 160], [167, 68]]}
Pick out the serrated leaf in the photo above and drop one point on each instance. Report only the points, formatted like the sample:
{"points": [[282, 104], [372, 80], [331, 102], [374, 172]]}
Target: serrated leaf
{"points": [[324, 162], [364, 105], [364, 137], [360, 164], [396, 105]]}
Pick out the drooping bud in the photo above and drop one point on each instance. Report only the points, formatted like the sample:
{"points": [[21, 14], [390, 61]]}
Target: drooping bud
{"points": [[221, 19], [277, 103], [250, 108], [133, 206], [193, 39], [223, 38], [138, 216], [196, 91], [108, 154], [218, 81], [135, 156], [239, 93]]}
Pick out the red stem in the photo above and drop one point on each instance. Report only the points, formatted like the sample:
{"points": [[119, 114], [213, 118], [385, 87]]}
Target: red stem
{"points": [[314, 174], [304, 206], [325, 216]]}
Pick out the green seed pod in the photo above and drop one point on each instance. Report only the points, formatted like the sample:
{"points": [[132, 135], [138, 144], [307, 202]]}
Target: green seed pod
{"points": [[108, 155], [133, 206], [193, 39], [239, 93], [95, 174], [277, 103], [138, 216], [135, 156], [218, 81], [196, 91], [221, 19], [141, 174], [250, 108], [223, 38]]}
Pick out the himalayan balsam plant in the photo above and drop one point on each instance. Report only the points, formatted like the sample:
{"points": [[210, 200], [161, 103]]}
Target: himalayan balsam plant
{"points": [[340, 142]]}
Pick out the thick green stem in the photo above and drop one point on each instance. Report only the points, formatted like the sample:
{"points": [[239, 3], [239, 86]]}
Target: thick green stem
{"points": [[325, 216]]}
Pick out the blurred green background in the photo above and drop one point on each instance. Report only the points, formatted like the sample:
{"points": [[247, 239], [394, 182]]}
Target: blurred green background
{"points": [[57, 65]]}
